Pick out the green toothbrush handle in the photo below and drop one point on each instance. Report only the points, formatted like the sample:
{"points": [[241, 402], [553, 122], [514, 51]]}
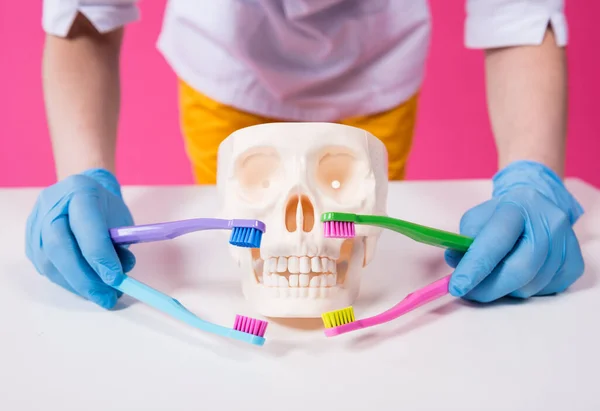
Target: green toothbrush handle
{"points": [[420, 233]]}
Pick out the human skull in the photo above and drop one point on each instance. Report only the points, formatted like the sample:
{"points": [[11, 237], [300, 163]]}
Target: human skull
{"points": [[287, 175]]}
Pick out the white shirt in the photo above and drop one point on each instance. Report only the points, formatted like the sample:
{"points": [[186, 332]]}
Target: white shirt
{"points": [[311, 60]]}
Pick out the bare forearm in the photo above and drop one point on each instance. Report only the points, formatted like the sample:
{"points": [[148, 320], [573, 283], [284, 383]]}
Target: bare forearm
{"points": [[82, 94], [527, 99]]}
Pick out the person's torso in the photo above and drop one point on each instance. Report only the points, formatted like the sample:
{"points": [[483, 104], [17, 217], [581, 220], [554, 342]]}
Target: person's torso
{"points": [[308, 60]]}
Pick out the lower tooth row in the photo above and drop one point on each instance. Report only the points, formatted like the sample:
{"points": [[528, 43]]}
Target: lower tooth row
{"points": [[299, 292], [302, 280]]}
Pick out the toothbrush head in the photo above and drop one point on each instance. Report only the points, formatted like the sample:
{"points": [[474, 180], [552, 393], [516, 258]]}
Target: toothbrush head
{"points": [[250, 325], [247, 233], [336, 318], [338, 229], [338, 225], [340, 321]]}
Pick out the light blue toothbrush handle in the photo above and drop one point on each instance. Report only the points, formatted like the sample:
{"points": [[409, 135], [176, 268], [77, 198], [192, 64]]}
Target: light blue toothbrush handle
{"points": [[174, 308]]}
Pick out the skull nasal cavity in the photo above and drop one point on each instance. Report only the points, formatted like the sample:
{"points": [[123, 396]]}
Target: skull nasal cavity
{"points": [[299, 212]]}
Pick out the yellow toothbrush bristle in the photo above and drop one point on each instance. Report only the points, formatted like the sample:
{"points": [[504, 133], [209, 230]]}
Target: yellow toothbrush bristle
{"points": [[338, 317]]}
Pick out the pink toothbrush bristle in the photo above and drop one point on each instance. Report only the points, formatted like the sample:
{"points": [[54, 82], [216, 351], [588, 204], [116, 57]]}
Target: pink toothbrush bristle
{"points": [[250, 325], [338, 229]]}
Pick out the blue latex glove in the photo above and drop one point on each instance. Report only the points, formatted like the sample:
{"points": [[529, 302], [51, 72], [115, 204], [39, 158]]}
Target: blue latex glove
{"points": [[524, 244], [67, 237]]}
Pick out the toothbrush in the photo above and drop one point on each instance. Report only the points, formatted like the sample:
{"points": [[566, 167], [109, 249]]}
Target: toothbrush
{"points": [[342, 225], [244, 233], [343, 321], [246, 329]]}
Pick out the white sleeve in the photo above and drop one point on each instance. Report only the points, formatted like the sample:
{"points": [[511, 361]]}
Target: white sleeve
{"points": [[105, 15], [503, 23]]}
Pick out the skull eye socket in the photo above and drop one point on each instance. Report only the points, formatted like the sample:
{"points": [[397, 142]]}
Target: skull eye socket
{"points": [[257, 172], [335, 172]]}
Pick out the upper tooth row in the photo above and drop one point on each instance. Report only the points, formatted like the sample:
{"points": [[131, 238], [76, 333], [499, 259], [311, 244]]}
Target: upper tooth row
{"points": [[303, 265]]}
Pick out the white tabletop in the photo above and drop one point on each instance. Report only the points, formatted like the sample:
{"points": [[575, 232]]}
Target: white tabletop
{"points": [[59, 352]]}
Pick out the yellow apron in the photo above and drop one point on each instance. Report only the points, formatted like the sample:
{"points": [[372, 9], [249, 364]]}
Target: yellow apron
{"points": [[206, 123]]}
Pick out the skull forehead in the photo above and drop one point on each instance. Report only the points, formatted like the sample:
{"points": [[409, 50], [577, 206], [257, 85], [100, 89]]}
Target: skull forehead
{"points": [[297, 139]]}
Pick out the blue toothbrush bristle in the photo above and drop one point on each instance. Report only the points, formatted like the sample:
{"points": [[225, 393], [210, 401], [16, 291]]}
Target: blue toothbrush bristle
{"points": [[246, 237]]}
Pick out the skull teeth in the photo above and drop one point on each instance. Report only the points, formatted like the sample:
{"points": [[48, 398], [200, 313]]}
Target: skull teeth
{"points": [[302, 264], [298, 280], [297, 272]]}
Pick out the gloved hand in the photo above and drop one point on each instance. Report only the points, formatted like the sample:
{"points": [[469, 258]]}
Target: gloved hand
{"points": [[67, 237], [524, 244]]}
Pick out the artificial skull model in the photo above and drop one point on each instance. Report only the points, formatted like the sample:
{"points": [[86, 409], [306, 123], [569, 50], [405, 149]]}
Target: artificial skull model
{"points": [[287, 175]]}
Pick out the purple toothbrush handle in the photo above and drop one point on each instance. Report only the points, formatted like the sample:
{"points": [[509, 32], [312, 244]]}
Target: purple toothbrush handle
{"points": [[165, 231]]}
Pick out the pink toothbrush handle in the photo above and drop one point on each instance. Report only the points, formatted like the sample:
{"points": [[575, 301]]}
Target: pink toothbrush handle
{"points": [[413, 300]]}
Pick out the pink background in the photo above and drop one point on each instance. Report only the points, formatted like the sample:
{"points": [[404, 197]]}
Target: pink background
{"points": [[452, 119]]}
